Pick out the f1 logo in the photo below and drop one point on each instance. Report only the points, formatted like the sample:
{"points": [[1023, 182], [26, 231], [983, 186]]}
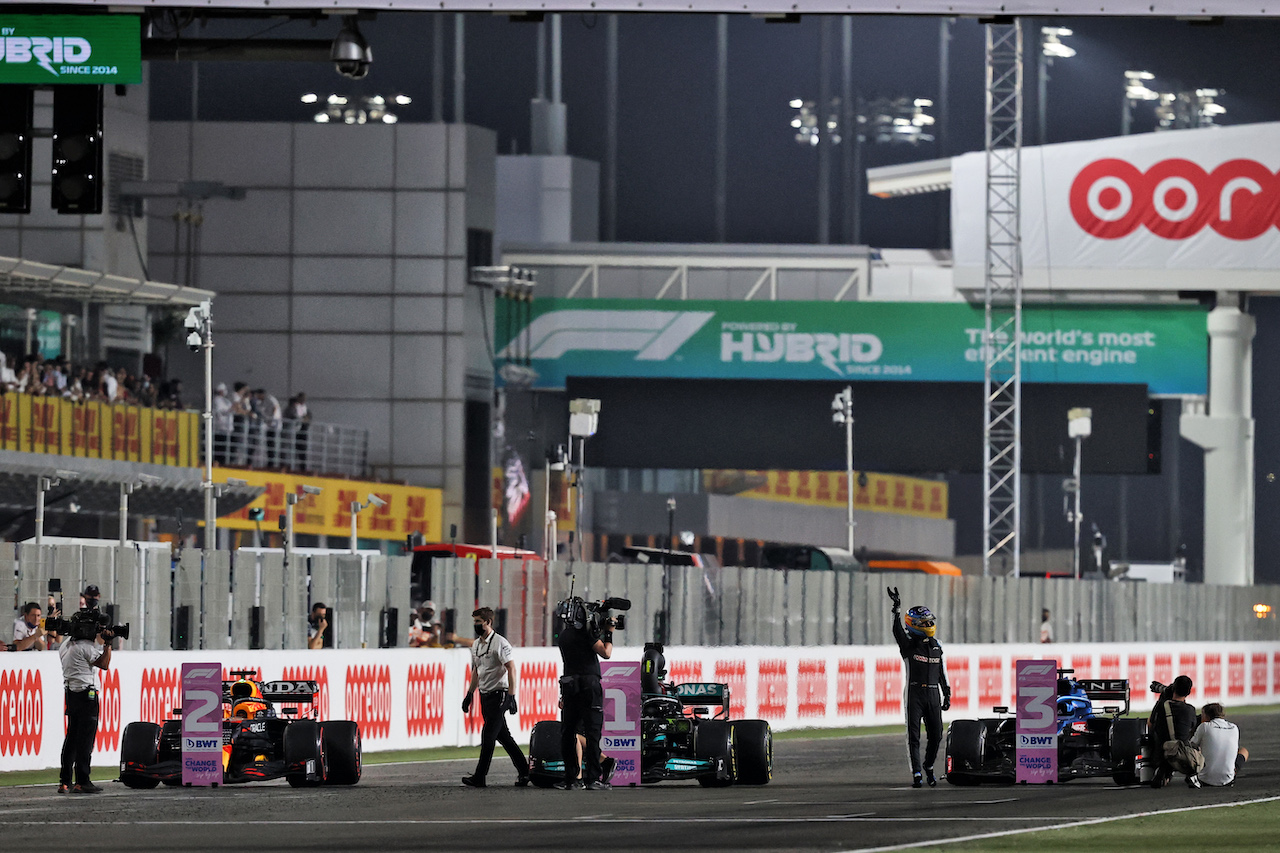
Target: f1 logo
{"points": [[1041, 668]]}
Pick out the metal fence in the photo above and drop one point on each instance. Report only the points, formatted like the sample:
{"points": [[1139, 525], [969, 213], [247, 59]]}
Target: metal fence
{"points": [[748, 606], [294, 446], [230, 600]]}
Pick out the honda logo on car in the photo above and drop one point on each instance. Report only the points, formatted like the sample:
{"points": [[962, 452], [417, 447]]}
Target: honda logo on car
{"points": [[1175, 199]]}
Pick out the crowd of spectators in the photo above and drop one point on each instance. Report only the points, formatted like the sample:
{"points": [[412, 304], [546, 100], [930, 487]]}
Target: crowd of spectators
{"points": [[251, 427], [57, 377]]}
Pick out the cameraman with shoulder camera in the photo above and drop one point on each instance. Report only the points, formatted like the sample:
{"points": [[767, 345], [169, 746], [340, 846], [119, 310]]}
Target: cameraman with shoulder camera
{"points": [[586, 636], [87, 646]]}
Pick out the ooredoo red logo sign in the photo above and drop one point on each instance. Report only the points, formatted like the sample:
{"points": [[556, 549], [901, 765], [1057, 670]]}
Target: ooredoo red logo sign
{"points": [[473, 720], [160, 694], [811, 688], [369, 699], [771, 688], [888, 685], [990, 681], [318, 674], [108, 711], [539, 690], [1175, 199], [734, 674], [958, 681], [21, 712], [425, 699], [851, 686]]}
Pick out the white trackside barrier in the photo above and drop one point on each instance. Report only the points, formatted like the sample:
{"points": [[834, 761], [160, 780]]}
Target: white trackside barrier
{"points": [[411, 698]]}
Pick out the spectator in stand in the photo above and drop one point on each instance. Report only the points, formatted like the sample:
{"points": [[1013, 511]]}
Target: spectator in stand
{"points": [[28, 631], [171, 395], [146, 391], [1046, 626], [242, 422], [107, 384], [298, 411], [223, 423], [8, 379], [273, 421], [258, 429]]}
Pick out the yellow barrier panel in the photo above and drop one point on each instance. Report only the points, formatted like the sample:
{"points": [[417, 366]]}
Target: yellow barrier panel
{"points": [[408, 509], [97, 430], [889, 493]]}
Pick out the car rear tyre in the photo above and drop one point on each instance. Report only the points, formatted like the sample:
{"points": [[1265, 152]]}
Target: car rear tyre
{"points": [[713, 739], [753, 740], [140, 744], [966, 741], [1127, 737], [303, 744], [340, 740], [544, 746]]}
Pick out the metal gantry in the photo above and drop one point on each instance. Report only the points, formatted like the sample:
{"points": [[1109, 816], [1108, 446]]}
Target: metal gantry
{"points": [[1002, 350]]}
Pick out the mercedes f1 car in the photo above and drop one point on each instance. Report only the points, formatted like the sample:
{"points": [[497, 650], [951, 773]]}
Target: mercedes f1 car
{"points": [[1095, 738], [681, 737], [258, 743]]}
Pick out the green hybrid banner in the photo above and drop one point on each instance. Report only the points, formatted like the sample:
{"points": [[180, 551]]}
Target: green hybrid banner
{"points": [[70, 49], [1164, 347]]}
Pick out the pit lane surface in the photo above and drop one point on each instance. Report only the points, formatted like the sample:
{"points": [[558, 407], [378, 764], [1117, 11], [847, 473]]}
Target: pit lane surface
{"points": [[827, 795]]}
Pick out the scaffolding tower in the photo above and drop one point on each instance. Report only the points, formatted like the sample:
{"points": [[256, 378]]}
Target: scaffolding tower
{"points": [[1002, 344]]}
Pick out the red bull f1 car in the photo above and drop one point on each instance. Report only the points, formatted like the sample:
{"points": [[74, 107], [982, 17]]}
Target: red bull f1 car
{"points": [[1095, 738], [259, 742]]}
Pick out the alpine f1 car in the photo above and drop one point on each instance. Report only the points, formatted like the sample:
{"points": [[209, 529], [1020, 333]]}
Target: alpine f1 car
{"points": [[257, 742], [680, 736], [1094, 737]]}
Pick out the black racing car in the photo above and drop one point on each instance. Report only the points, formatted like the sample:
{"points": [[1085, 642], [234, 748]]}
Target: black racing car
{"points": [[257, 742], [1092, 740], [680, 736]]}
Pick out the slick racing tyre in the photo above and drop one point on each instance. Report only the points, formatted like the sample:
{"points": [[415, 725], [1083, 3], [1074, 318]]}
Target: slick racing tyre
{"points": [[139, 745], [304, 754], [544, 746], [340, 741], [713, 740], [754, 742], [1126, 746], [965, 742]]}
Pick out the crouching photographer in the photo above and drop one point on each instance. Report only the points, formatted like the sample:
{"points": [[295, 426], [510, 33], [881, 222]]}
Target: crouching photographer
{"points": [[87, 647], [586, 636]]}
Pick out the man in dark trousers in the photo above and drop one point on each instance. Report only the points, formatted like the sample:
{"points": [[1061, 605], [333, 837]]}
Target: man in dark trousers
{"points": [[925, 674], [581, 648], [79, 659], [1173, 721], [493, 671]]}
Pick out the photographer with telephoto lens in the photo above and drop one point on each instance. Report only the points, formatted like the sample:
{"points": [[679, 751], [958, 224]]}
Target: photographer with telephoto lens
{"points": [[586, 636]]}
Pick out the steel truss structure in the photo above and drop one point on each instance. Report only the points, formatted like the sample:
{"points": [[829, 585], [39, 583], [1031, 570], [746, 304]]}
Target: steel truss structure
{"points": [[1002, 344]]}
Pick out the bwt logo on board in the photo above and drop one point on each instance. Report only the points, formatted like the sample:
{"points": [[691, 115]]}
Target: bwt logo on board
{"points": [[425, 699], [318, 674], [539, 692], [1175, 199], [108, 711], [161, 692], [369, 699], [21, 712]]}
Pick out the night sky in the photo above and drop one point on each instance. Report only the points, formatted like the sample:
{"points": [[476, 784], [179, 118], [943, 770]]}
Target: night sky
{"points": [[667, 91]]}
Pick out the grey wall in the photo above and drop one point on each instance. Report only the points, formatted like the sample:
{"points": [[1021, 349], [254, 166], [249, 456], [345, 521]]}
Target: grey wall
{"points": [[342, 273]]}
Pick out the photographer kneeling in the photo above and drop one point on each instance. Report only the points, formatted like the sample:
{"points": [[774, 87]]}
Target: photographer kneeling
{"points": [[586, 636], [88, 645]]}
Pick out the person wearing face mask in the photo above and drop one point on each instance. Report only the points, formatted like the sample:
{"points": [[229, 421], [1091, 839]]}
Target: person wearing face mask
{"points": [[493, 671]]}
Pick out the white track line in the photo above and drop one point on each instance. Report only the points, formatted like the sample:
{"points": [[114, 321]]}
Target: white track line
{"points": [[546, 821], [936, 842]]}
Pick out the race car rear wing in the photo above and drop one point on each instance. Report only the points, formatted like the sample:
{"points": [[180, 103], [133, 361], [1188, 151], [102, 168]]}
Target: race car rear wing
{"points": [[1104, 690], [280, 691], [704, 693]]}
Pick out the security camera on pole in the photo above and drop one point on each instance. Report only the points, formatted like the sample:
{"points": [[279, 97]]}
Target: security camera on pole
{"points": [[356, 506], [584, 418], [44, 484], [842, 413], [199, 325], [126, 489], [1079, 427]]}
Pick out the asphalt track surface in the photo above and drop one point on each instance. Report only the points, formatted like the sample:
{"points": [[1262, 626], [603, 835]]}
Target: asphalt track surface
{"points": [[827, 795]]}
